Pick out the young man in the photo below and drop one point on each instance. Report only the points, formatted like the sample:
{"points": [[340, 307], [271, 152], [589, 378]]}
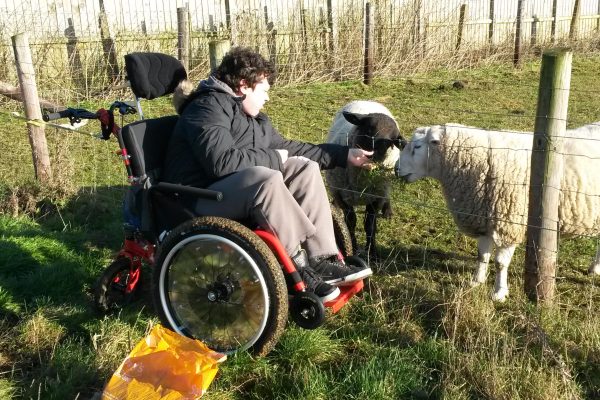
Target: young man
{"points": [[223, 142]]}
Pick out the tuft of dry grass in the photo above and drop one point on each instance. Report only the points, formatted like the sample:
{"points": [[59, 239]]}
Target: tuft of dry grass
{"points": [[40, 335]]}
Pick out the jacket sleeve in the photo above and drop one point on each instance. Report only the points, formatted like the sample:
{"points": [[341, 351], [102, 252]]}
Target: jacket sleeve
{"points": [[208, 127], [327, 155]]}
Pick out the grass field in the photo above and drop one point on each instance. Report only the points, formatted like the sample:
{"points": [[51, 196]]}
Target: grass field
{"points": [[418, 331]]}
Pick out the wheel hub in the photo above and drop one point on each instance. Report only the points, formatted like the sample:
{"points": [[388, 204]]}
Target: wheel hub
{"points": [[220, 290]]}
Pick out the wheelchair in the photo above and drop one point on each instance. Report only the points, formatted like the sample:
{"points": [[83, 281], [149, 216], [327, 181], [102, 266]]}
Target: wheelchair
{"points": [[227, 283]]}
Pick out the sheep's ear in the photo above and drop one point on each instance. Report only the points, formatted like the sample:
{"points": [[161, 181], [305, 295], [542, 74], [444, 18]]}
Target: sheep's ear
{"points": [[354, 119]]}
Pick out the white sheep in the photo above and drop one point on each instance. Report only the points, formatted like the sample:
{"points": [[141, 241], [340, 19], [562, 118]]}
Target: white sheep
{"points": [[368, 125], [485, 180]]}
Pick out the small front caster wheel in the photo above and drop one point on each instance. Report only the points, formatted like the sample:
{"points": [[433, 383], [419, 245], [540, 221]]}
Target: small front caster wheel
{"points": [[307, 310]]}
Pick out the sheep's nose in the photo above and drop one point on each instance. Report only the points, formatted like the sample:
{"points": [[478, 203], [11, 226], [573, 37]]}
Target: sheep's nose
{"points": [[403, 143]]}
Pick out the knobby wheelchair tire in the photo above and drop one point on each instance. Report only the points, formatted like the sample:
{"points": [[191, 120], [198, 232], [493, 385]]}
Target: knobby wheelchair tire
{"points": [[217, 281], [110, 290]]}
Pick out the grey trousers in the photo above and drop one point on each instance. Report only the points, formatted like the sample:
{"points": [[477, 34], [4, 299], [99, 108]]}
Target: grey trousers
{"points": [[294, 205]]}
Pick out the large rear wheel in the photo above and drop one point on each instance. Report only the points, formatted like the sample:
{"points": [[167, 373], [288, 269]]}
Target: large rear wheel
{"points": [[217, 281]]}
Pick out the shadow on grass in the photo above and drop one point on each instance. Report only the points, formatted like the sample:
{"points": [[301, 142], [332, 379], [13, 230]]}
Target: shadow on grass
{"points": [[406, 258], [50, 264], [58, 258]]}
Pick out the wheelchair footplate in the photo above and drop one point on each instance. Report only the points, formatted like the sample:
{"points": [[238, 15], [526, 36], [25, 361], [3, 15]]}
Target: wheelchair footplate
{"points": [[346, 292]]}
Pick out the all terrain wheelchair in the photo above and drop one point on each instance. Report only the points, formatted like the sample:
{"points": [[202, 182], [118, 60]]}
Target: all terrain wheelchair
{"points": [[227, 283]]}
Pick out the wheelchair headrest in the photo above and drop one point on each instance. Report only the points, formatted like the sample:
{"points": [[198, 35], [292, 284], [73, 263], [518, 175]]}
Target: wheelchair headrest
{"points": [[153, 74]]}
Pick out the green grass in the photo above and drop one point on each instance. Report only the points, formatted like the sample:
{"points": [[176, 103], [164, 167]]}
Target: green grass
{"points": [[418, 331]]}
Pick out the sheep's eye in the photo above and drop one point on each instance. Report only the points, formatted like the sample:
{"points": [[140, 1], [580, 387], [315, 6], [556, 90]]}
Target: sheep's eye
{"points": [[417, 146]]}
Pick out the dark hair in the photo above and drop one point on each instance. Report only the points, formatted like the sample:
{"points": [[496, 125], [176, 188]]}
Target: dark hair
{"points": [[244, 63]]}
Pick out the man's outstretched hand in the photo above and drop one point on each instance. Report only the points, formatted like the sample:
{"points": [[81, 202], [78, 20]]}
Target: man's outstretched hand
{"points": [[360, 158]]}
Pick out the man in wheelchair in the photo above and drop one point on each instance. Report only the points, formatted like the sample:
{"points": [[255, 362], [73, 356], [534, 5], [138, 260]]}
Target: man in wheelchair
{"points": [[223, 142]]}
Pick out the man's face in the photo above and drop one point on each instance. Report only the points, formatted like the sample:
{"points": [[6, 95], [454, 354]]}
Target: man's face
{"points": [[255, 97]]}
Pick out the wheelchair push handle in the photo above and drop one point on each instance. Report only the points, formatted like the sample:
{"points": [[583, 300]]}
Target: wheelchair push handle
{"points": [[75, 115]]}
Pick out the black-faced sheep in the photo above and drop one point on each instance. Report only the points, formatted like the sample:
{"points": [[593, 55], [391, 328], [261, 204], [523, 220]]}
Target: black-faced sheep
{"points": [[370, 126], [485, 180]]}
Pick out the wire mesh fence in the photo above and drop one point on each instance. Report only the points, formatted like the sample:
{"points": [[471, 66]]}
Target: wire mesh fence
{"points": [[309, 41], [79, 46]]}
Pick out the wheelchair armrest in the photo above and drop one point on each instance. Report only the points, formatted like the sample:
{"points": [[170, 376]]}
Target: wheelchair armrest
{"points": [[198, 192]]}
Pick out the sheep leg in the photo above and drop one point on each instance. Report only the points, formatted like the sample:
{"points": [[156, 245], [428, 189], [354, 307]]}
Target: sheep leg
{"points": [[485, 244], [386, 209], [595, 266], [503, 256], [370, 225]]}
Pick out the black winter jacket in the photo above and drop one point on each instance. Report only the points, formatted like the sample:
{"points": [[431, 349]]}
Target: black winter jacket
{"points": [[214, 137]]}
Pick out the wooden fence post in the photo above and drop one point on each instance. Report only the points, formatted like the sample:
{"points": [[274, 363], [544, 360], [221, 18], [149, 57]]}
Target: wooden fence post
{"points": [[331, 37], [217, 49], [554, 17], [228, 19], [183, 37], [144, 29], [271, 40], [74, 60], [461, 24], [546, 171], [492, 23], [416, 24], [108, 44], [519, 29], [534, 26], [369, 33], [598, 19], [37, 135], [574, 28], [304, 28]]}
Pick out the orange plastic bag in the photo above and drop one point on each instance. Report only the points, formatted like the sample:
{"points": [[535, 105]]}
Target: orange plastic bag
{"points": [[164, 366]]}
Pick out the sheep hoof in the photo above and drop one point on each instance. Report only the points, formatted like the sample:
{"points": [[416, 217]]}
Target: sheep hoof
{"points": [[594, 269], [474, 282], [500, 295]]}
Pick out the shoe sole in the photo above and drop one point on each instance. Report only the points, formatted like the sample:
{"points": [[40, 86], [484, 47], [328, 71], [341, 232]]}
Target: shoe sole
{"points": [[331, 296], [350, 279]]}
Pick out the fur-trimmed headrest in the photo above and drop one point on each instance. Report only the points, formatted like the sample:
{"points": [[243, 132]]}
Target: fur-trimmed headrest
{"points": [[153, 74]]}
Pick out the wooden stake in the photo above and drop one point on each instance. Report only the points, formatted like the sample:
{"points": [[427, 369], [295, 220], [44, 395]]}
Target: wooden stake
{"points": [[546, 171], [519, 29], [369, 33], [573, 29], [108, 44], [183, 37], [461, 25], [37, 135], [217, 49]]}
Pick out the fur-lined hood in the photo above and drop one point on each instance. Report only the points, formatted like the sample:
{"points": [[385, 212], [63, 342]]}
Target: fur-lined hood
{"points": [[185, 91]]}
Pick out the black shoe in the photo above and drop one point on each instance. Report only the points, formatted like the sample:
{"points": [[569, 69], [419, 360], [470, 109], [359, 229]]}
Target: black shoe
{"points": [[337, 273], [315, 284]]}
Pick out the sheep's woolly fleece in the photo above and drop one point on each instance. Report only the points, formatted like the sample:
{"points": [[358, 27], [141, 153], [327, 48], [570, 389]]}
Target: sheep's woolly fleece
{"points": [[357, 186], [485, 179]]}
